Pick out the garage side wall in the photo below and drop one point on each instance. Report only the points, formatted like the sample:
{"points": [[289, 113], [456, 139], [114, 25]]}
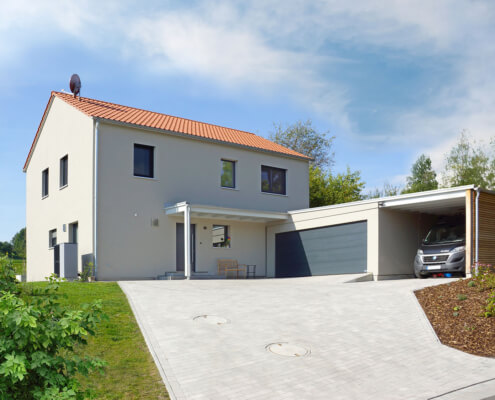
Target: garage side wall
{"points": [[322, 217], [400, 236]]}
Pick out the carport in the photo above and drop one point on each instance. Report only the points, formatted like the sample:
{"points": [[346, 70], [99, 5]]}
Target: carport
{"points": [[379, 236]]}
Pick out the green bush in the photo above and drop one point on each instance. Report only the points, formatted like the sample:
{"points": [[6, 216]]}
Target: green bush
{"points": [[484, 276], [7, 275], [490, 306], [37, 339]]}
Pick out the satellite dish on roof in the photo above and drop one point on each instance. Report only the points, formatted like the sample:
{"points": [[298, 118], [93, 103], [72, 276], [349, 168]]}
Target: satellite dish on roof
{"points": [[75, 85]]}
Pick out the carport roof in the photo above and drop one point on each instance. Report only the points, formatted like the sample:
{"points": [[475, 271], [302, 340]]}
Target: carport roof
{"points": [[441, 201]]}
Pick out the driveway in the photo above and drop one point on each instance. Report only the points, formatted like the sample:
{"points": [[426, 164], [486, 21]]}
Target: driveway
{"points": [[331, 340]]}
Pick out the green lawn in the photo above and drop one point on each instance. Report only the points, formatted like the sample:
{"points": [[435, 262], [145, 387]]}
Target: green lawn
{"points": [[131, 372]]}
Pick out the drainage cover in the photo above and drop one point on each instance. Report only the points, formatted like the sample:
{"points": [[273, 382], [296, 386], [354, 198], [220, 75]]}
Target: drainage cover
{"points": [[288, 349], [211, 319]]}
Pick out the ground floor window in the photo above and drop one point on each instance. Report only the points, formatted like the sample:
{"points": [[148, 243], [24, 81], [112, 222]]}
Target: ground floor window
{"points": [[52, 238], [220, 236]]}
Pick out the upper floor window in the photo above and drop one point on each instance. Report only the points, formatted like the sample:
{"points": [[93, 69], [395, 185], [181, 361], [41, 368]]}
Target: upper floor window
{"points": [[44, 183], [273, 180], [228, 174], [52, 238], [144, 160], [64, 171]]}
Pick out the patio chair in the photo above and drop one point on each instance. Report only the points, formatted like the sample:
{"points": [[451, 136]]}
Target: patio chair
{"points": [[225, 266]]}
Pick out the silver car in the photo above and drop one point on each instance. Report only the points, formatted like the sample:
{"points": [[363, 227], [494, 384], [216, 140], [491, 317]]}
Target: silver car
{"points": [[442, 252]]}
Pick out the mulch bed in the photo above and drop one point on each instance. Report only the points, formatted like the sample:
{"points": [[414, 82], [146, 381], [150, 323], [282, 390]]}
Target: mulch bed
{"points": [[460, 323]]}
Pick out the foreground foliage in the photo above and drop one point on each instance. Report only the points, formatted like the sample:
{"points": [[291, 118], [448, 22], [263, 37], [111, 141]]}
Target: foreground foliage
{"points": [[130, 372], [37, 339]]}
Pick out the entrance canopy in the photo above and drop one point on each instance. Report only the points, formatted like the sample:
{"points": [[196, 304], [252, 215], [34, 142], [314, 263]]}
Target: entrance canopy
{"points": [[213, 212]]}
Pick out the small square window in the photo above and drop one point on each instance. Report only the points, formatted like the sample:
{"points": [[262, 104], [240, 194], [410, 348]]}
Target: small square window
{"points": [[273, 180], [144, 161], [44, 183], [220, 236], [64, 171], [228, 174], [52, 238]]}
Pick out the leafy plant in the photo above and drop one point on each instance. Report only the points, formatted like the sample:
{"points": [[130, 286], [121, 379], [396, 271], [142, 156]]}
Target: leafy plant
{"points": [[7, 275], [484, 276], [471, 284], [490, 305], [37, 339], [461, 297], [87, 272]]}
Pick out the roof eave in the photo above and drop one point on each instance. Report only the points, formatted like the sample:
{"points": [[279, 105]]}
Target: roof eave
{"points": [[202, 139], [38, 132]]}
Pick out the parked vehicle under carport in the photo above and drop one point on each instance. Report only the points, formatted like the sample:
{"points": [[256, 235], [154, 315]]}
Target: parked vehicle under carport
{"points": [[442, 252]]}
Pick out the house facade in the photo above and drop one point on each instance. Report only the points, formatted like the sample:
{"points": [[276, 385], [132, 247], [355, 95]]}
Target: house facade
{"points": [[120, 182]]}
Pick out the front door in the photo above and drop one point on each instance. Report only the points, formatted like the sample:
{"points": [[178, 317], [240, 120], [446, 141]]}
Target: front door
{"points": [[179, 247]]}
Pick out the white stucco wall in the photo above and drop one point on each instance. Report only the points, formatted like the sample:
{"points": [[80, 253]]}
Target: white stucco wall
{"points": [[185, 170], [326, 216], [401, 234], [65, 131]]}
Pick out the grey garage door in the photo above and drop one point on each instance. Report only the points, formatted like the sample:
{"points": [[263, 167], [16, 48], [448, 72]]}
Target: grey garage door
{"points": [[336, 249]]}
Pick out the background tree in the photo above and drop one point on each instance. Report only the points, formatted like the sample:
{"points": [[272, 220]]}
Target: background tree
{"points": [[19, 244], [387, 190], [305, 139], [468, 164], [325, 188], [422, 176], [5, 248]]}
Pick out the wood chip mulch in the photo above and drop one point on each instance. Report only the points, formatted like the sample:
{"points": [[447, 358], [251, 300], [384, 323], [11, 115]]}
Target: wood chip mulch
{"points": [[460, 323]]}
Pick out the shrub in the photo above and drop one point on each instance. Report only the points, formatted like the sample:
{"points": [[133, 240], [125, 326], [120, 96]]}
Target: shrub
{"points": [[490, 305], [461, 297], [87, 272], [7, 275], [37, 338], [484, 276]]}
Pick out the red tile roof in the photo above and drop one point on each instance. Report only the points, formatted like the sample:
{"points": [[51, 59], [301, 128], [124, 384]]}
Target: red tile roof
{"points": [[135, 116]]}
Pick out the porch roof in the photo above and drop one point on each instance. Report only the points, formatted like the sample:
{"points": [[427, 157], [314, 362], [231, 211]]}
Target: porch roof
{"points": [[214, 212]]}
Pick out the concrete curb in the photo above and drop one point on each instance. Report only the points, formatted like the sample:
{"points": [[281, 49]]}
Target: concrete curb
{"points": [[426, 322], [173, 388]]}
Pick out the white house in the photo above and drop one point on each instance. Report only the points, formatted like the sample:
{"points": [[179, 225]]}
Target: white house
{"points": [[143, 194], [120, 182]]}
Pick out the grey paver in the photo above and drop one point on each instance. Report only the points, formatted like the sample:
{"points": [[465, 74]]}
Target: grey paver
{"points": [[368, 340]]}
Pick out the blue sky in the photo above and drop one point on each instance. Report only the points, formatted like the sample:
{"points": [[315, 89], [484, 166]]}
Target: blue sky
{"points": [[390, 80]]}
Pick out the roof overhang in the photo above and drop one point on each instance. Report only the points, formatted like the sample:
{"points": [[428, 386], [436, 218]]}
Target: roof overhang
{"points": [[213, 212]]}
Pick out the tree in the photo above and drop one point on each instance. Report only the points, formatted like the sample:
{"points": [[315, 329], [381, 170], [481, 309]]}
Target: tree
{"points": [[422, 176], [468, 164], [303, 138], [19, 243], [5, 248], [387, 190], [326, 189]]}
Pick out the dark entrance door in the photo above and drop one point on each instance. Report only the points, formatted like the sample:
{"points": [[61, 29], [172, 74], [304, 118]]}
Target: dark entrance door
{"points": [[337, 249], [56, 260], [179, 247]]}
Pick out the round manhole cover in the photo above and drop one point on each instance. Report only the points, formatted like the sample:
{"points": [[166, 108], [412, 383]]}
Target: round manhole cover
{"points": [[288, 349], [211, 319]]}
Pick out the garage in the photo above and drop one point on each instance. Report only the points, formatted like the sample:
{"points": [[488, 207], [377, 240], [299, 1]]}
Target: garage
{"points": [[338, 249], [384, 236]]}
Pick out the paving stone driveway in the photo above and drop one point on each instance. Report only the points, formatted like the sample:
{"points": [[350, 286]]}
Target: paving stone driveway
{"points": [[368, 340]]}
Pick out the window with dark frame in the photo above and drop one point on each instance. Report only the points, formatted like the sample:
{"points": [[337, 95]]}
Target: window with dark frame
{"points": [[44, 183], [273, 180], [73, 232], [52, 238], [220, 236], [64, 170], [143, 161], [227, 178]]}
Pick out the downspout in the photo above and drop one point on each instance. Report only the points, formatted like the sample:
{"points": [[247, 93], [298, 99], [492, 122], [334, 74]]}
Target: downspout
{"points": [[95, 200], [476, 235]]}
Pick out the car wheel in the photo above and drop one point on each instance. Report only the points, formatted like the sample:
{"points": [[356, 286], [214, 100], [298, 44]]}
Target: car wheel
{"points": [[419, 276]]}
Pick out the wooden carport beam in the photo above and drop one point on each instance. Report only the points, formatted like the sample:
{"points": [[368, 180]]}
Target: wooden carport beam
{"points": [[469, 230]]}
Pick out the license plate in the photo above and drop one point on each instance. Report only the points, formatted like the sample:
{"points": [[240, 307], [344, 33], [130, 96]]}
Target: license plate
{"points": [[433, 267]]}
